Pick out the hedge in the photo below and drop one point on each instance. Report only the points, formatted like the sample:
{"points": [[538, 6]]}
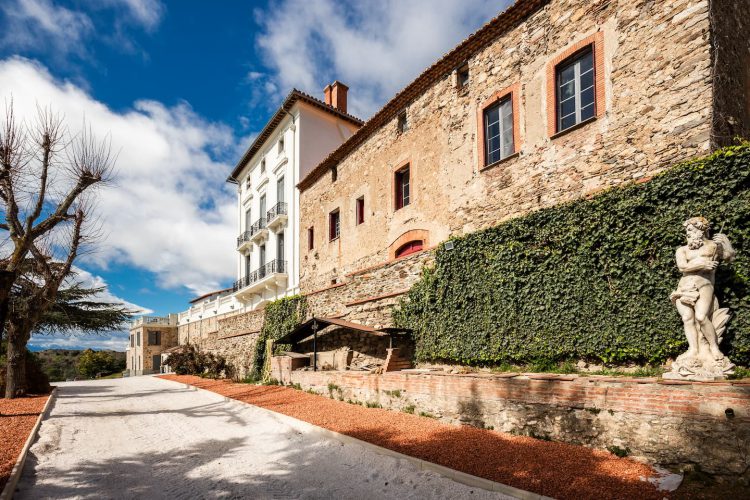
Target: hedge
{"points": [[589, 279], [279, 318]]}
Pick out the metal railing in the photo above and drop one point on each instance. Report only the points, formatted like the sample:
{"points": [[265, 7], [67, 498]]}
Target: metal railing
{"points": [[276, 210], [272, 267], [244, 237], [258, 225], [155, 320]]}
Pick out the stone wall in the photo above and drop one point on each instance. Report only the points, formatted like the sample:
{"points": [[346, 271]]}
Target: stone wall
{"points": [[666, 423], [232, 336], [730, 41], [367, 296], [658, 99], [366, 349]]}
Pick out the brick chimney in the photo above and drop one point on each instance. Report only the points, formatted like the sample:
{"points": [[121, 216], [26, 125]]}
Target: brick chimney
{"points": [[335, 95], [327, 94]]}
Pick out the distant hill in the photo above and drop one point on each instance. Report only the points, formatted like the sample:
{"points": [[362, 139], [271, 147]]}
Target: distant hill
{"points": [[60, 364]]}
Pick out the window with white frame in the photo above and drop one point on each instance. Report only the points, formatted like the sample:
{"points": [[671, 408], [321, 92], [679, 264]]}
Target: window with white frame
{"points": [[576, 95], [498, 131]]}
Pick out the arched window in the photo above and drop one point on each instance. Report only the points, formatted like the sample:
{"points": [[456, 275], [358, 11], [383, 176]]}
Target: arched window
{"points": [[409, 248]]}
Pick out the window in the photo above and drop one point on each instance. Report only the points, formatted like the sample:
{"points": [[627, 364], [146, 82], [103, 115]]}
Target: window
{"points": [[281, 145], [462, 76], [262, 165], [498, 131], [248, 219], [402, 124], [280, 190], [154, 337], [310, 238], [575, 92], [263, 209], [409, 248], [132, 341], [156, 362], [138, 338], [247, 181], [248, 264], [334, 174], [360, 210], [402, 188], [334, 225], [280, 248]]}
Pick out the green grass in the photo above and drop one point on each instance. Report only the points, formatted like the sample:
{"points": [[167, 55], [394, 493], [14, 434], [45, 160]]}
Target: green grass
{"points": [[373, 404], [740, 373], [408, 409], [426, 414]]}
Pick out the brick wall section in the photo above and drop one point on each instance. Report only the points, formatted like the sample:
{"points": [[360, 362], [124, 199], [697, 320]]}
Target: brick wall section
{"points": [[666, 423], [656, 111]]}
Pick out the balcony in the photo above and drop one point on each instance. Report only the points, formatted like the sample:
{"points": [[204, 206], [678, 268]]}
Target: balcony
{"points": [[244, 241], [268, 277], [277, 216], [258, 231], [170, 320]]}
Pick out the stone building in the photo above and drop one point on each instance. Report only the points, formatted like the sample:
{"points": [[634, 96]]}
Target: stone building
{"points": [[548, 102], [149, 337]]}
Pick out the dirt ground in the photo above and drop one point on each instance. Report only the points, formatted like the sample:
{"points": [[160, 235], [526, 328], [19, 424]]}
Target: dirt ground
{"points": [[17, 418], [549, 468]]}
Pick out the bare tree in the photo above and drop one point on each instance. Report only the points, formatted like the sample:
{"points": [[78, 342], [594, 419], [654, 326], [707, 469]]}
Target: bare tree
{"points": [[45, 177]]}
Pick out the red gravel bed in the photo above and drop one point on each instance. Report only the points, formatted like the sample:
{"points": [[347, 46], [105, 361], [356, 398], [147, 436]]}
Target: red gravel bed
{"points": [[550, 468], [17, 418]]}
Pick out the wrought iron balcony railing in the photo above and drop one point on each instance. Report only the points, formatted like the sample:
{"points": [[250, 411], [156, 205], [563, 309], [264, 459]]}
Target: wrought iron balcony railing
{"points": [[276, 210], [244, 237], [258, 225], [272, 267]]}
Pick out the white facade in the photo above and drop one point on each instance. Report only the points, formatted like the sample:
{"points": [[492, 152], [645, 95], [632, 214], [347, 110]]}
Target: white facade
{"points": [[268, 252], [268, 225]]}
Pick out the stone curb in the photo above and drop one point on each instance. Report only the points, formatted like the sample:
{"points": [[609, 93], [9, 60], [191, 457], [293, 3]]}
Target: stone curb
{"points": [[455, 475], [15, 475]]}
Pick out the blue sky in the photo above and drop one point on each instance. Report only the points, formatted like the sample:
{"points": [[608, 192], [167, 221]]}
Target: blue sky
{"points": [[182, 87]]}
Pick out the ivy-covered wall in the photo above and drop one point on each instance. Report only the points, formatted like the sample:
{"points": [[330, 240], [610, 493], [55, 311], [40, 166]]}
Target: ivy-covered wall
{"points": [[280, 317], [589, 279]]}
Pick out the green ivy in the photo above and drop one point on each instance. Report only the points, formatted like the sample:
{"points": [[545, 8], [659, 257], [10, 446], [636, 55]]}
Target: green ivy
{"points": [[589, 279], [279, 318]]}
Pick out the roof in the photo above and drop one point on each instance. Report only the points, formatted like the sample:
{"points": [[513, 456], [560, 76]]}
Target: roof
{"points": [[215, 292], [306, 329], [505, 21], [293, 96]]}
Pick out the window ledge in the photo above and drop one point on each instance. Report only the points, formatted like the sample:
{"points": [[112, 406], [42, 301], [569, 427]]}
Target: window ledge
{"points": [[501, 161], [574, 127], [334, 239]]}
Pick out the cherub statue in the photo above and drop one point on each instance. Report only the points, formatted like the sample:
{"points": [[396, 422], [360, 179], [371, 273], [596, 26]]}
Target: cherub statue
{"points": [[697, 304]]}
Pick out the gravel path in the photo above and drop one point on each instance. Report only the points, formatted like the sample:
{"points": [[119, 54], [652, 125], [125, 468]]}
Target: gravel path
{"points": [[143, 437]]}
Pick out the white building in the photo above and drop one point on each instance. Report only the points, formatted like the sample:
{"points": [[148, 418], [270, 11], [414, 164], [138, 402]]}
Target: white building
{"points": [[302, 132]]}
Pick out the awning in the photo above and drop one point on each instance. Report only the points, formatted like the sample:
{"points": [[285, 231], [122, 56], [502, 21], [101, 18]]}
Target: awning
{"points": [[314, 325]]}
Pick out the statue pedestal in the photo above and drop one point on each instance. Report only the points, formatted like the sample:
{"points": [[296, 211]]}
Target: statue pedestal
{"points": [[701, 367]]}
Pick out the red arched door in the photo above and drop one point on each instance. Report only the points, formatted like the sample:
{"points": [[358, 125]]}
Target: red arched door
{"points": [[409, 248]]}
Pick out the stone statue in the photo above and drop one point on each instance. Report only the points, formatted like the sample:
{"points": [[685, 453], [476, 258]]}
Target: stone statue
{"points": [[704, 322]]}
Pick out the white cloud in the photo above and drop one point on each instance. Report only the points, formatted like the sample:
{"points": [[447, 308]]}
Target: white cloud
{"points": [[374, 47], [169, 210], [115, 341], [43, 26], [31, 22], [88, 280]]}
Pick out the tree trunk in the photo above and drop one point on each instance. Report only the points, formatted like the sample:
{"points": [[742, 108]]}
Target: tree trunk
{"points": [[6, 282], [15, 379]]}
